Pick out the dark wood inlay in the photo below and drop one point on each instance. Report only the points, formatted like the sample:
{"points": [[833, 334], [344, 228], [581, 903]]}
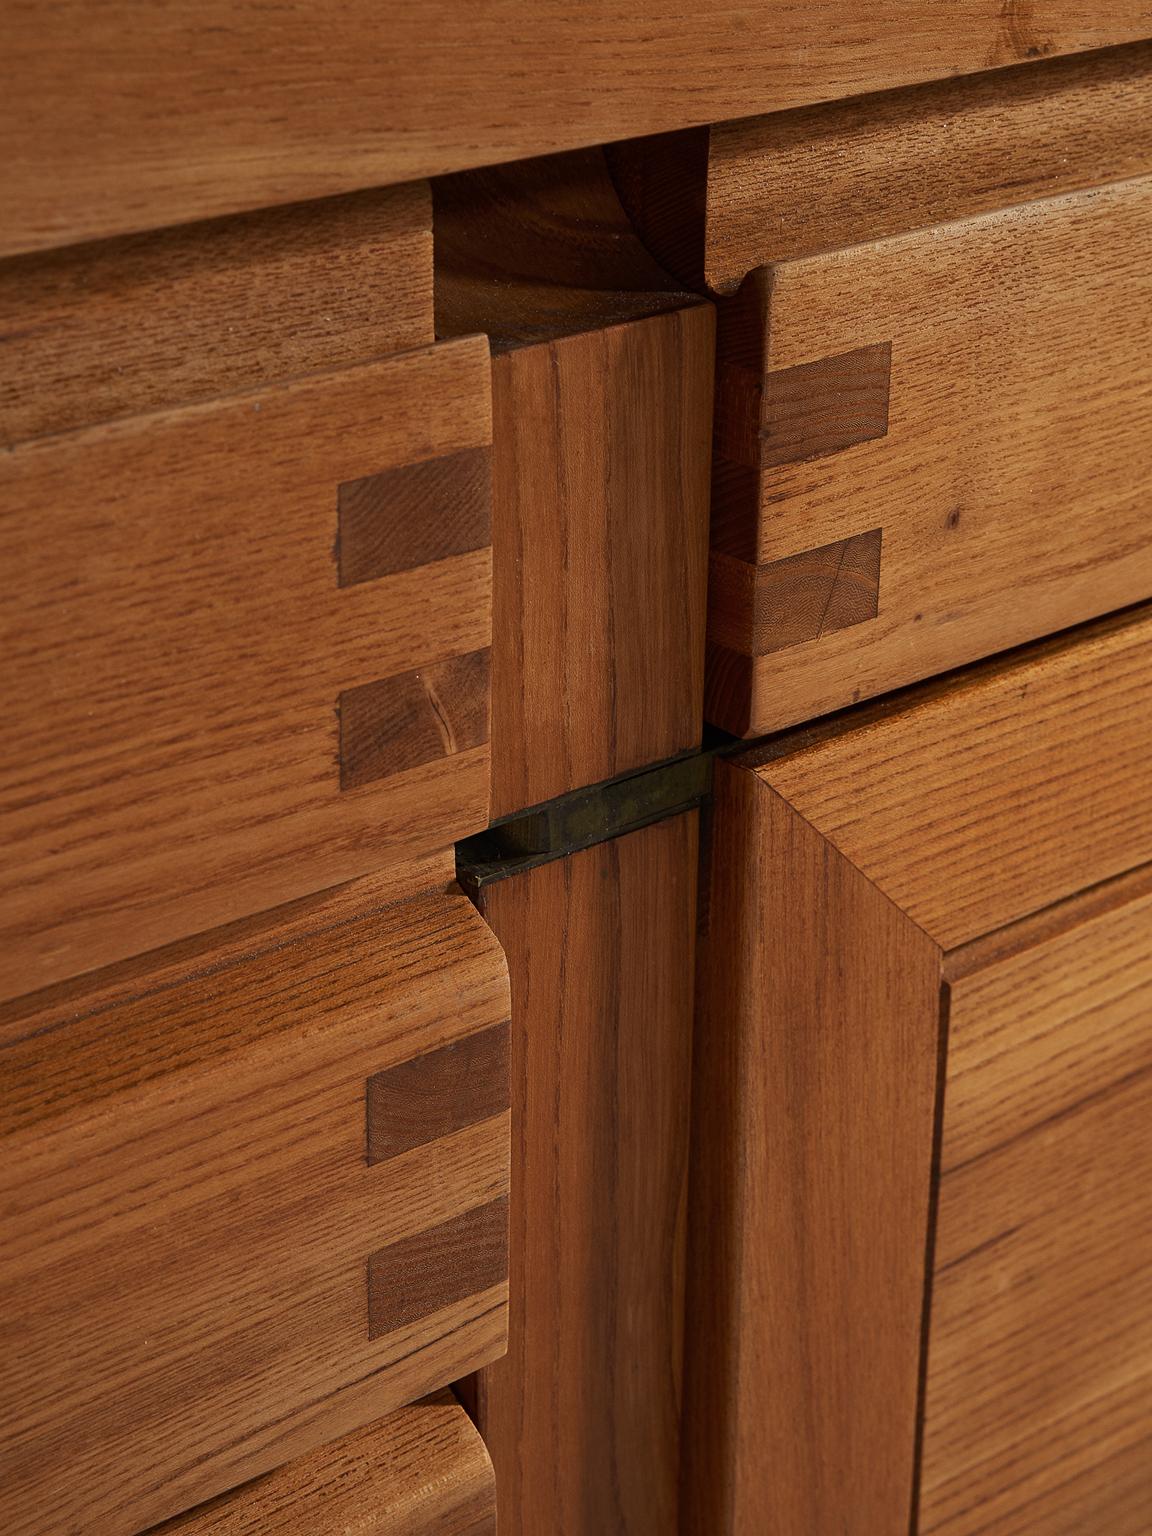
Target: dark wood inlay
{"points": [[730, 685], [735, 514], [818, 408], [817, 592], [414, 515], [438, 1093], [421, 1274], [413, 718]]}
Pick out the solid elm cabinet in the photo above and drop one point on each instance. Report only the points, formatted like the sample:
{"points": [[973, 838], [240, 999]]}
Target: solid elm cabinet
{"points": [[762, 1159], [923, 1112]]}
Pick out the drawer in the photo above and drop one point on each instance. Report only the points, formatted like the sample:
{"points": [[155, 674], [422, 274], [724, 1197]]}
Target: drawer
{"points": [[715, 202], [928, 448], [254, 1196], [175, 316], [422, 1471], [924, 1108], [247, 650]]}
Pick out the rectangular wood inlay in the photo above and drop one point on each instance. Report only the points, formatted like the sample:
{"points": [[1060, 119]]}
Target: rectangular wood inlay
{"points": [[818, 408], [438, 1093], [413, 718], [816, 592], [414, 515], [421, 1274]]}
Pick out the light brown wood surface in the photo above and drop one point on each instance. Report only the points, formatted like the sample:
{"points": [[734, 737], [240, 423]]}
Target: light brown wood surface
{"points": [[132, 116], [1003, 463], [582, 1416], [120, 327], [422, 1471], [812, 1135], [193, 1233], [946, 871], [209, 722], [717, 201], [1042, 789], [1040, 1350], [602, 412]]}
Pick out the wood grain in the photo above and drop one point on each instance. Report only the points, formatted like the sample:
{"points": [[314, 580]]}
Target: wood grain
{"points": [[438, 1093], [132, 116], [178, 645], [539, 250], [189, 1214], [1040, 1351], [964, 868], [413, 718], [1043, 788], [718, 201], [602, 406], [813, 1121], [1020, 410], [413, 515], [582, 1416], [421, 1471], [421, 1275], [759, 609], [823, 407], [148, 322]]}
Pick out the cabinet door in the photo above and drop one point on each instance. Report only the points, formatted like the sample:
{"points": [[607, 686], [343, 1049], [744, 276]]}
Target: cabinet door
{"points": [[1038, 1405], [920, 1236]]}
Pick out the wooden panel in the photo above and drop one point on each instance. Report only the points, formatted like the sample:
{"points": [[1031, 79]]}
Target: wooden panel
{"points": [[182, 661], [600, 474], [582, 1416], [602, 406], [720, 201], [813, 1120], [189, 1213], [1014, 456], [441, 1267], [137, 116], [1040, 1352], [165, 319], [422, 1471], [1043, 787]]}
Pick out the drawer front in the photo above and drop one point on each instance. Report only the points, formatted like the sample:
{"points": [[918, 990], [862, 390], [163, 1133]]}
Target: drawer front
{"points": [[248, 654], [176, 316], [422, 1471], [248, 1209], [937, 900], [929, 448], [1038, 1401]]}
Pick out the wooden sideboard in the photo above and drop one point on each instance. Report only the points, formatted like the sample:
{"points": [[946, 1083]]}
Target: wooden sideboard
{"points": [[576, 911]]}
